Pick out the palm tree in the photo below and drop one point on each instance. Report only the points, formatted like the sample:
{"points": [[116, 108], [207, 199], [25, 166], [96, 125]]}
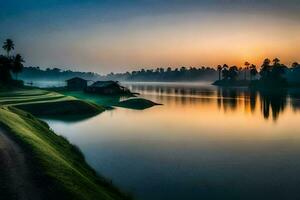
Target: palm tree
{"points": [[219, 68], [247, 64], [267, 61], [8, 46], [225, 66], [295, 64], [17, 65], [240, 72], [233, 72], [253, 71], [276, 61], [265, 68], [225, 72], [5, 67]]}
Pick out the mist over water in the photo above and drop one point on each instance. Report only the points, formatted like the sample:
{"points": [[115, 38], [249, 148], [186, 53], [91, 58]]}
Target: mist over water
{"points": [[204, 142]]}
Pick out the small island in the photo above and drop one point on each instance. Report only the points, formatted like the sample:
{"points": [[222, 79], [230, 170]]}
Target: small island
{"points": [[271, 75]]}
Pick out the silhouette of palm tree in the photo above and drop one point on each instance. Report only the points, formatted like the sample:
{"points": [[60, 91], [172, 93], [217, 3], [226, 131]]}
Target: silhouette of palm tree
{"points": [[219, 70], [225, 72], [17, 65], [8, 46], [276, 61], [265, 68], [295, 64], [253, 71], [247, 64], [233, 72]]}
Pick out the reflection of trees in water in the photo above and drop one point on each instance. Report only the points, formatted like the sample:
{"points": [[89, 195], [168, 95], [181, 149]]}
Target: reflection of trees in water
{"points": [[272, 103], [275, 102], [176, 94], [173, 89], [294, 95], [229, 98], [252, 99]]}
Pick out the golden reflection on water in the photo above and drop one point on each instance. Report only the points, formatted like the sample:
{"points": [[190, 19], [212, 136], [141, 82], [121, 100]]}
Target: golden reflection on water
{"points": [[225, 112]]}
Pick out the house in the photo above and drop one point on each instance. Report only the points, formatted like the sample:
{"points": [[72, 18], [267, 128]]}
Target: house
{"points": [[76, 83], [107, 88]]}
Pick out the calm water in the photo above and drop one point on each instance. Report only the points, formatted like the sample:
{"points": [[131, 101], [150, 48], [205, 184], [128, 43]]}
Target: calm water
{"points": [[203, 143]]}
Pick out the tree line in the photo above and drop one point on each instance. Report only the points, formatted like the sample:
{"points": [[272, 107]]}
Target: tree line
{"points": [[168, 74], [55, 74], [270, 73]]}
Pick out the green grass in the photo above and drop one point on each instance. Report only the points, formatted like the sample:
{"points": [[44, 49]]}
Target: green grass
{"points": [[55, 161], [108, 101], [45, 103], [103, 100]]}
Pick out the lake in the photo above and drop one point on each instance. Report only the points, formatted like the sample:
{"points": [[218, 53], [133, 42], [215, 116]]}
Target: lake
{"points": [[204, 142]]}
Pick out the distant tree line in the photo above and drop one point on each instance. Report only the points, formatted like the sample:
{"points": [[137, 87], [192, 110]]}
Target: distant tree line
{"points": [[55, 74], [168, 74], [10, 64]]}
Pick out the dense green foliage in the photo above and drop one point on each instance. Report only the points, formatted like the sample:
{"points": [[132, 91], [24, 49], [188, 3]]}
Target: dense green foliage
{"points": [[9, 64]]}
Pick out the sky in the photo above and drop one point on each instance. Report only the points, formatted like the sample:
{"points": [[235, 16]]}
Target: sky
{"points": [[124, 35]]}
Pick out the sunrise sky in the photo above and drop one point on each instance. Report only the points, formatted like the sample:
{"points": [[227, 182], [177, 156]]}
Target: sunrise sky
{"points": [[121, 35]]}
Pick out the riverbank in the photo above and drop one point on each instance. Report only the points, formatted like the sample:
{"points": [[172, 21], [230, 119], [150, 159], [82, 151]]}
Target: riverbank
{"points": [[58, 167]]}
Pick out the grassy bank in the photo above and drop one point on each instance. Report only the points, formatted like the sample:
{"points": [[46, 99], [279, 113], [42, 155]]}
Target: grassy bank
{"points": [[130, 102], [59, 167], [41, 102]]}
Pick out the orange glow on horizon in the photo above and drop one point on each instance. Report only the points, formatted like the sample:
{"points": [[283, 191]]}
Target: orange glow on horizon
{"points": [[191, 40]]}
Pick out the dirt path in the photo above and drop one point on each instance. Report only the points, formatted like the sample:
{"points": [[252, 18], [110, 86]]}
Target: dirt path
{"points": [[15, 180]]}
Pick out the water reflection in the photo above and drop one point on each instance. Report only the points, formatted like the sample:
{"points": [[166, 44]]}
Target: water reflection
{"points": [[210, 143], [270, 103]]}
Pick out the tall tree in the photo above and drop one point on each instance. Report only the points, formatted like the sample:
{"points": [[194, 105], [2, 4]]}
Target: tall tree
{"points": [[277, 70], [247, 64], [276, 61], [225, 72], [17, 66], [5, 67], [295, 64], [265, 68], [8, 46], [233, 73], [219, 68], [253, 71]]}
